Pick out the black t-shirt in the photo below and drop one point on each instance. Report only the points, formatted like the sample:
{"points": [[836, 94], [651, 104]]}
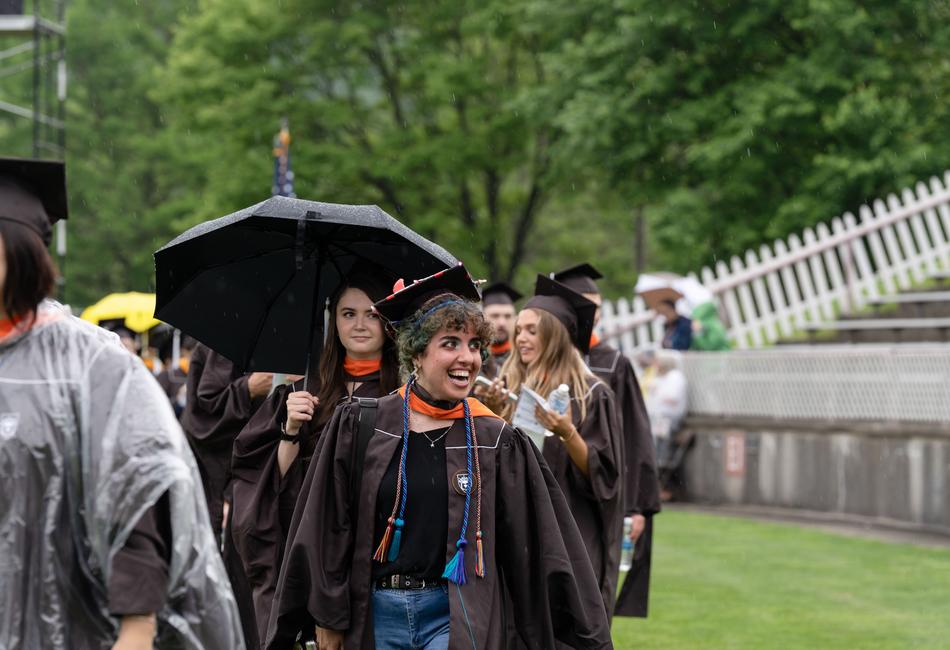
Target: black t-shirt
{"points": [[425, 533]]}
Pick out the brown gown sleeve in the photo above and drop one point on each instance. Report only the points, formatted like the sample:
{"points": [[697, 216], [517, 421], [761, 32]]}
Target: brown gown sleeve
{"points": [[605, 453], [218, 398], [138, 583], [554, 595], [642, 488]]}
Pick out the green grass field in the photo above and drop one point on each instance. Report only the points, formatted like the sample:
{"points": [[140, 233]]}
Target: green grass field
{"points": [[721, 582]]}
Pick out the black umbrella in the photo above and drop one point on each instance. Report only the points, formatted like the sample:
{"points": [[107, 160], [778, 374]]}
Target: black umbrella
{"points": [[252, 285]]}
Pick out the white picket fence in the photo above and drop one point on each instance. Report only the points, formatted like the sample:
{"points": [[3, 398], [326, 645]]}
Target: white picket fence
{"points": [[775, 291]]}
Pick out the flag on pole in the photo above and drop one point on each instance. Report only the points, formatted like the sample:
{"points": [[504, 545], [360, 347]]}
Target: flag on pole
{"points": [[283, 184]]}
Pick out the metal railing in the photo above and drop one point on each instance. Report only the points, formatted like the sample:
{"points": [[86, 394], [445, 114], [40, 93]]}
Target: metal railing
{"points": [[906, 383]]}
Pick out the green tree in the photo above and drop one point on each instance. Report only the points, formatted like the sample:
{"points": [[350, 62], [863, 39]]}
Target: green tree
{"points": [[122, 168], [427, 110], [733, 123]]}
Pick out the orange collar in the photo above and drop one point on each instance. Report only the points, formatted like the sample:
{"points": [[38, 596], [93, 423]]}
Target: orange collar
{"points": [[498, 349], [361, 367], [594, 340], [457, 413], [8, 325]]}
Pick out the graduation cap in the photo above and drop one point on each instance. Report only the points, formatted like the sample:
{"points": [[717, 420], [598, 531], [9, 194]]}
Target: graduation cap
{"points": [[500, 293], [580, 278], [33, 194], [406, 300], [573, 310]]}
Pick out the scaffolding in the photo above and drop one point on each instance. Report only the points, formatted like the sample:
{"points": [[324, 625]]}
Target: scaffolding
{"points": [[34, 36]]}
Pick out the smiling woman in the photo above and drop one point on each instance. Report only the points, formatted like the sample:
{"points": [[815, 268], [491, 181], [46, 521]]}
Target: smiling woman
{"points": [[586, 455], [458, 507]]}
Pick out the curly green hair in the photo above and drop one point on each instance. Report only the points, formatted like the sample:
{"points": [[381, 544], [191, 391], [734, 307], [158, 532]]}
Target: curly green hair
{"points": [[443, 311]]}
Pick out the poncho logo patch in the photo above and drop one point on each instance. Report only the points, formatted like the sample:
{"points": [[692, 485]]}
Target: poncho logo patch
{"points": [[8, 425], [461, 482]]}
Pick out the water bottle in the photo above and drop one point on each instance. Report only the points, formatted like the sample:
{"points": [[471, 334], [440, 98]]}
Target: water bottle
{"points": [[560, 399], [626, 545]]}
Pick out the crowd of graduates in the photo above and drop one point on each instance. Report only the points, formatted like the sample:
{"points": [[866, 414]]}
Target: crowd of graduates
{"points": [[384, 500]]}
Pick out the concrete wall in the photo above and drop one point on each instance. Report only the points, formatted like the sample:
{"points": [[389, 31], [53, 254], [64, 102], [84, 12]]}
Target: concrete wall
{"points": [[872, 470]]}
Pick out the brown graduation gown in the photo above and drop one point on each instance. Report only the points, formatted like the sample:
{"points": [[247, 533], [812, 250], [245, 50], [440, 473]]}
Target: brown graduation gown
{"points": [[138, 583], [596, 500], [218, 406], [641, 485], [262, 500], [536, 565]]}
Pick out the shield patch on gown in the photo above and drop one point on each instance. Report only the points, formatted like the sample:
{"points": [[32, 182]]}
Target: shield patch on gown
{"points": [[461, 482], [8, 425]]}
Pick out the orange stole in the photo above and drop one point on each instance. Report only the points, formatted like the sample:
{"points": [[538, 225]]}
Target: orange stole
{"points": [[457, 413]]}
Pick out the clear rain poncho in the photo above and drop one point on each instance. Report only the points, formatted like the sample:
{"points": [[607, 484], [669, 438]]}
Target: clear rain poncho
{"points": [[88, 442]]}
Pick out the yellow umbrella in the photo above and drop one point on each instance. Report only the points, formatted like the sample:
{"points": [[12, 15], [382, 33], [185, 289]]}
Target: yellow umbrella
{"points": [[136, 309]]}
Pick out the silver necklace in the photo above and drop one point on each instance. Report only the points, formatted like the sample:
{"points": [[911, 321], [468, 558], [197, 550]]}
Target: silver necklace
{"points": [[431, 441]]}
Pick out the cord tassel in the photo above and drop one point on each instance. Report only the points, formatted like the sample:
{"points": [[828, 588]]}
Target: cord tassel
{"points": [[383, 549], [397, 540], [455, 569], [479, 556]]}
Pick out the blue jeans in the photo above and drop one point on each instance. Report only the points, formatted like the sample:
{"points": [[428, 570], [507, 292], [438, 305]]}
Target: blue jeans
{"points": [[410, 619]]}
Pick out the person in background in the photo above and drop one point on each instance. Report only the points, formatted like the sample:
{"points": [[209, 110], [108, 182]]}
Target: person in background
{"points": [[498, 304], [641, 483], [174, 375], [126, 336], [446, 522], [709, 334], [106, 541], [667, 406], [678, 329], [586, 454], [220, 400]]}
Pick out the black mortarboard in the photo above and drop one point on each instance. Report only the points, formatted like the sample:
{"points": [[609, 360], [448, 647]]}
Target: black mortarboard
{"points": [[406, 300], [580, 278], [499, 293], [33, 194], [572, 309]]}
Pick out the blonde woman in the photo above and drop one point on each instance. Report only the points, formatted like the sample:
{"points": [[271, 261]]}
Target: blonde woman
{"points": [[586, 452]]}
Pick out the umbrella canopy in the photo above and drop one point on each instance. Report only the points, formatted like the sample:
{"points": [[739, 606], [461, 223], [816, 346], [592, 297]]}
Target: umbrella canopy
{"points": [[135, 309], [694, 293], [252, 285], [657, 287]]}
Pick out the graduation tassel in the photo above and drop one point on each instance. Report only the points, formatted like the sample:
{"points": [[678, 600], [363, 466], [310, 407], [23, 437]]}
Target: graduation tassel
{"points": [[479, 556], [383, 549], [388, 549], [479, 546], [455, 569], [397, 540]]}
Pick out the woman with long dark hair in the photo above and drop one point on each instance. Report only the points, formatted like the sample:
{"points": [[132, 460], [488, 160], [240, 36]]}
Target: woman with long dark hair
{"points": [[445, 522], [106, 540], [273, 451], [586, 454]]}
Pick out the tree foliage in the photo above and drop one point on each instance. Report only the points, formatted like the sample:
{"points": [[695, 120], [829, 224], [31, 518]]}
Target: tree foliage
{"points": [[731, 123], [522, 135]]}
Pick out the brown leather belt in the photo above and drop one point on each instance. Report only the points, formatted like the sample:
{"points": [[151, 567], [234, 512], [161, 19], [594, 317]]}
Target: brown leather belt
{"points": [[407, 582]]}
